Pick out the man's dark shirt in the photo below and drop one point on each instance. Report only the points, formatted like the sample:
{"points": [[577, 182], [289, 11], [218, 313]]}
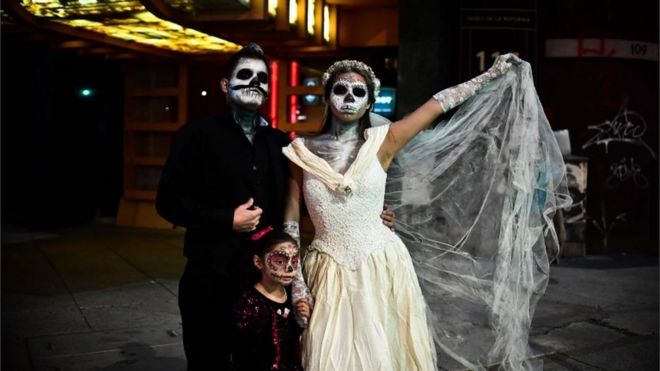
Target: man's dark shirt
{"points": [[212, 169]]}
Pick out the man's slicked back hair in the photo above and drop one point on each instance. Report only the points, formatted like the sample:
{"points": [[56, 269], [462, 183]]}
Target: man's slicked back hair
{"points": [[252, 51]]}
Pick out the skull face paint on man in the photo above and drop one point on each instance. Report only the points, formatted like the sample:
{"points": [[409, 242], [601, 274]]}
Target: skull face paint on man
{"points": [[280, 264], [349, 97], [248, 85]]}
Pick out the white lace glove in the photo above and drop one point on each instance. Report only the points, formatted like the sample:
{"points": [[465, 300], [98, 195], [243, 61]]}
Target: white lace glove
{"points": [[452, 97], [299, 289]]}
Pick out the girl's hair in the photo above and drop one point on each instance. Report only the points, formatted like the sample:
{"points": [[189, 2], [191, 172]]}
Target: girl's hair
{"points": [[330, 77], [263, 241]]}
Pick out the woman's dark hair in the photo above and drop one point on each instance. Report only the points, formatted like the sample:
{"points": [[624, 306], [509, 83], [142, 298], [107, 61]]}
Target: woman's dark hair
{"points": [[364, 122], [251, 51]]}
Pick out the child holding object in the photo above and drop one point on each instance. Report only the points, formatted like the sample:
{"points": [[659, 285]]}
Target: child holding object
{"points": [[267, 335]]}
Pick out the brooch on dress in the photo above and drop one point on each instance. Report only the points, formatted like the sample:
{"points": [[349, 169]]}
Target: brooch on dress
{"points": [[346, 187]]}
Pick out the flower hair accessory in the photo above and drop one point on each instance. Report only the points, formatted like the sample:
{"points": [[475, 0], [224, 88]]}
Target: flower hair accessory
{"points": [[352, 65], [258, 235]]}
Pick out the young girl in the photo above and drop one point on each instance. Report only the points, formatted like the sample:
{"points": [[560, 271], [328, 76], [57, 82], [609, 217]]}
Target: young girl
{"points": [[267, 334]]}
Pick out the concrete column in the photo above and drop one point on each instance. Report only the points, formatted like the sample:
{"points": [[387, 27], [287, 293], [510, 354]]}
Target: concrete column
{"points": [[428, 50]]}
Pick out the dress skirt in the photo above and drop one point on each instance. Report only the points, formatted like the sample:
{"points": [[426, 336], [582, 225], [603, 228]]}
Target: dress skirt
{"points": [[372, 318]]}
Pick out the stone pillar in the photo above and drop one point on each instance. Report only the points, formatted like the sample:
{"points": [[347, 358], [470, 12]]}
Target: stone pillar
{"points": [[428, 50]]}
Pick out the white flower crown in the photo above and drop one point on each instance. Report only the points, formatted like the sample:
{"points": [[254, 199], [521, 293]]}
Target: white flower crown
{"points": [[350, 64]]}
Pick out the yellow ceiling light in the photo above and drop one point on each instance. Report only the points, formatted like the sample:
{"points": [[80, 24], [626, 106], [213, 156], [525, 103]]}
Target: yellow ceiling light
{"points": [[326, 23], [311, 19], [272, 7], [293, 11], [196, 5], [128, 20], [181, 5], [69, 9]]}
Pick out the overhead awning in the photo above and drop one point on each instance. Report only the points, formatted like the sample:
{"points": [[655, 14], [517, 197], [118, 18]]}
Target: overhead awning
{"points": [[127, 20]]}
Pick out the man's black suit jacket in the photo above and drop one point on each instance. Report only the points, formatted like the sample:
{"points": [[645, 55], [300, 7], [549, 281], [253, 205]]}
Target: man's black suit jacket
{"points": [[212, 169]]}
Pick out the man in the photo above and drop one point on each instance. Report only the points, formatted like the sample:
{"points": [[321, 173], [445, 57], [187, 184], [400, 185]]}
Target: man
{"points": [[224, 178]]}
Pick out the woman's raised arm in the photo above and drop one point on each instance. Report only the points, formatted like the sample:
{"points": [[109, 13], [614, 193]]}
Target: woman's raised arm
{"points": [[402, 131]]}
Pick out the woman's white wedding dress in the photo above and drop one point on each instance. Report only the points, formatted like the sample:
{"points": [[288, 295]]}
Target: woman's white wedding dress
{"points": [[369, 312], [474, 198]]}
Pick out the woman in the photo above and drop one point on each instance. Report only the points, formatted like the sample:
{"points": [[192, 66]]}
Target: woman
{"points": [[369, 313]]}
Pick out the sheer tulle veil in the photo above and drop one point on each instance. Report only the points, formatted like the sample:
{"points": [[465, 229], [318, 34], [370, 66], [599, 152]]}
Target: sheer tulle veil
{"points": [[474, 199]]}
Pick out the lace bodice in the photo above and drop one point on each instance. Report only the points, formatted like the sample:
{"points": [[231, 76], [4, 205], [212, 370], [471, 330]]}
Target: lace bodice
{"points": [[345, 208]]}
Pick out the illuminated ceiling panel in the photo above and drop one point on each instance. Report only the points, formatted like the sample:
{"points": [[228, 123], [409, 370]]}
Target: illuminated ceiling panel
{"points": [[81, 8], [194, 5], [127, 20], [182, 5]]}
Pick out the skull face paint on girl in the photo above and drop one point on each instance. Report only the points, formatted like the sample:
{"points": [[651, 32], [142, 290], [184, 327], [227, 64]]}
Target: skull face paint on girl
{"points": [[281, 263], [349, 97], [248, 84]]}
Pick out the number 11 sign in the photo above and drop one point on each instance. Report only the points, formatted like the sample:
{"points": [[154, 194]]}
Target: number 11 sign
{"points": [[486, 33]]}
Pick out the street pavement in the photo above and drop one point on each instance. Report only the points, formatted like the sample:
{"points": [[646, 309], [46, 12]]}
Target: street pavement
{"points": [[100, 297]]}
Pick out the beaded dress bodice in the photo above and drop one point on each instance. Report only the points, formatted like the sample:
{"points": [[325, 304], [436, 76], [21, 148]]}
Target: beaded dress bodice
{"points": [[345, 208]]}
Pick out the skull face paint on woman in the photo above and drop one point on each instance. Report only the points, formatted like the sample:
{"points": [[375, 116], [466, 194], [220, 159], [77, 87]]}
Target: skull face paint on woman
{"points": [[349, 98], [280, 264], [248, 85]]}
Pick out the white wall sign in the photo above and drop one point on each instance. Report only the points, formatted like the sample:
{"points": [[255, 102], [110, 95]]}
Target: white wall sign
{"points": [[601, 48]]}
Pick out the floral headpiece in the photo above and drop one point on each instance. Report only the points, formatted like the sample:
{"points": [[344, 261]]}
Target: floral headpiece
{"points": [[258, 235], [357, 66]]}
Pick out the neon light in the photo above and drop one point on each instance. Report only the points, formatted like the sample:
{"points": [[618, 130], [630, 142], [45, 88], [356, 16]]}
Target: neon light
{"points": [[326, 23], [311, 19], [293, 77], [274, 93], [293, 99], [272, 7], [293, 11]]}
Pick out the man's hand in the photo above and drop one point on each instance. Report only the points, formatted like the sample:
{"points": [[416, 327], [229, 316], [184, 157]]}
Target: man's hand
{"points": [[302, 309], [246, 217], [388, 217]]}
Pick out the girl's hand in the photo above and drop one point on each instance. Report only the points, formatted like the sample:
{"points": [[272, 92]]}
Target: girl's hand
{"points": [[302, 308]]}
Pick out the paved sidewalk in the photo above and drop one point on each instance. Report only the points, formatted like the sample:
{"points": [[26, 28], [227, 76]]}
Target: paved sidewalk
{"points": [[104, 298], [92, 298], [600, 313]]}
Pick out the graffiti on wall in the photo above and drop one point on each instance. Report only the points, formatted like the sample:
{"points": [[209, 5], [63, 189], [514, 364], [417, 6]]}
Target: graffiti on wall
{"points": [[624, 170], [606, 224], [626, 127]]}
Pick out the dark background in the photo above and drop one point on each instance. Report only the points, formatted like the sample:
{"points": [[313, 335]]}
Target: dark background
{"points": [[62, 153]]}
